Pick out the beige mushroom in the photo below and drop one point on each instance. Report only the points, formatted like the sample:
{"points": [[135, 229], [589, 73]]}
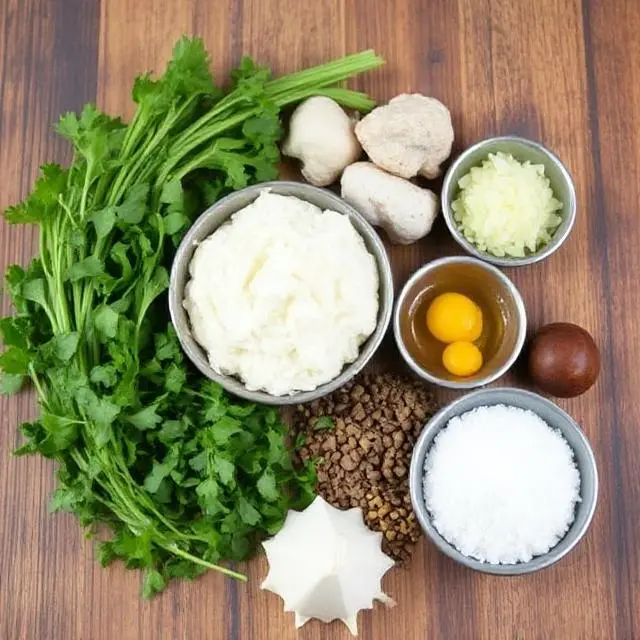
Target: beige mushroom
{"points": [[412, 135], [404, 210], [321, 137]]}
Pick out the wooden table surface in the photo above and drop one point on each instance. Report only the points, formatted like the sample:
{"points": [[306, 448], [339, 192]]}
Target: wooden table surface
{"points": [[562, 71]]}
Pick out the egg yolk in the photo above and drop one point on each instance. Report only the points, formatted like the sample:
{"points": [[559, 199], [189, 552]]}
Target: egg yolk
{"points": [[462, 358], [452, 317]]}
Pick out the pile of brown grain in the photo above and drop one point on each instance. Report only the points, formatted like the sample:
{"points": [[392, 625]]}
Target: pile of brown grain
{"points": [[364, 451]]}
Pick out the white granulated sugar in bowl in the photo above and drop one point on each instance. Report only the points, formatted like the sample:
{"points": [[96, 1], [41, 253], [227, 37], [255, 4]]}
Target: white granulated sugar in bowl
{"points": [[501, 485], [283, 295]]}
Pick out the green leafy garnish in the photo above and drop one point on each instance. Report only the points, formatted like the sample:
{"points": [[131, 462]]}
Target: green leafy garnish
{"points": [[323, 423], [185, 476]]}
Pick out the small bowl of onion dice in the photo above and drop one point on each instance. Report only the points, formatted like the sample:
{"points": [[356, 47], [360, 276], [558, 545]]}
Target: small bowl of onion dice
{"points": [[509, 201]]}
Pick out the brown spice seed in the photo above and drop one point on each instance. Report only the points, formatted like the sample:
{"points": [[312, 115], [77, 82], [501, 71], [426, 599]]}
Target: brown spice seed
{"points": [[377, 420], [347, 463], [329, 444]]}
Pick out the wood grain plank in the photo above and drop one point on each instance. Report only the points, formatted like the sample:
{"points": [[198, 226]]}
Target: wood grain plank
{"points": [[430, 66], [279, 34], [426, 65], [535, 73], [45, 68], [614, 100], [226, 49], [562, 71], [131, 42]]}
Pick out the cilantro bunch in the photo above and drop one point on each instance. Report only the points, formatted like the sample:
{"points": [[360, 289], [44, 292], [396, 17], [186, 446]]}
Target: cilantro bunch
{"points": [[183, 475]]}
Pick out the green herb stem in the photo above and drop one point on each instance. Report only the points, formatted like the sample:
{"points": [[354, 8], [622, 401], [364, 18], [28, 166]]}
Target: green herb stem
{"points": [[326, 74], [178, 470], [203, 563]]}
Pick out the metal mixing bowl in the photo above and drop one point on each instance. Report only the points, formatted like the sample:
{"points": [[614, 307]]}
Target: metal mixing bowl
{"points": [[217, 215], [555, 418], [522, 150], [464, 275]]}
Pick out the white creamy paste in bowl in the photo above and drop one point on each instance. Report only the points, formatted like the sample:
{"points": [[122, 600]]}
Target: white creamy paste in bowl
{"points": [[283, 295]]}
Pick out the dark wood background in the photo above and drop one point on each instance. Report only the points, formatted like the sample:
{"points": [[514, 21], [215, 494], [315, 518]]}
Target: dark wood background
{"points": [[562, 71]]}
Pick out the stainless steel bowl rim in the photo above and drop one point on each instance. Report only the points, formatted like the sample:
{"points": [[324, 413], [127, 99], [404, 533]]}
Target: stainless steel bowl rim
{"points": [[416, 475], [557, 239], [460, 384], [234, 385]]}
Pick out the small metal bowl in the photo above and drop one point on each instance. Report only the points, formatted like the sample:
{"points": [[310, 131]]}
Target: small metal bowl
{"points": [[522, 150], [217, 215], [555, 418], [472, 277]]}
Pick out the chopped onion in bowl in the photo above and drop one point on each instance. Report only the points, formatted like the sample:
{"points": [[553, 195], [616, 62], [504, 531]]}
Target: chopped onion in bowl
{"points": [[507, 208]]}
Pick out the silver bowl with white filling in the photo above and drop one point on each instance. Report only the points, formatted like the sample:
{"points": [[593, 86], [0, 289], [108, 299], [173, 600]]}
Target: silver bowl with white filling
{"points": [[555, 418], [220, 213]]}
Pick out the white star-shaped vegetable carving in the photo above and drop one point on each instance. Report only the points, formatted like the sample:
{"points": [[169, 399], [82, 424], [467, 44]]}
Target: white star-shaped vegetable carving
{"points": [[324, 563]]}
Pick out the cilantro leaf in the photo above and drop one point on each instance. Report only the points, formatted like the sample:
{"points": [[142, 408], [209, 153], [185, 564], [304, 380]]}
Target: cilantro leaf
{"points": [[103, 220], [199, 461], [15, 361], [64, 346], [68, 126], [100, 410], [224, 428], [266, 485], [175, 379], [172, 193], [59, 433], [278, 452], [208, 492], [167, 346], [11, 383], [40, 205], [323, 423], [153, 583], [34, 290], [171, 430], [106, 375], [14, 278], [133, 208], [65, 498], [119, 255], [105, 320], [15, 332], [183, 474], [248, 513], [146, 418], [175, 222], [225, 470], [161, 470], [86, 268]]}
